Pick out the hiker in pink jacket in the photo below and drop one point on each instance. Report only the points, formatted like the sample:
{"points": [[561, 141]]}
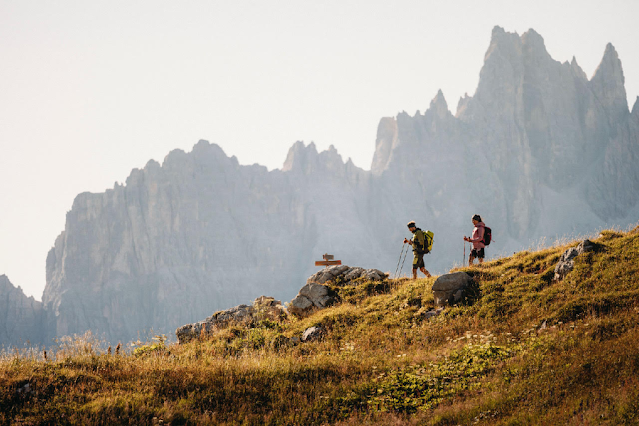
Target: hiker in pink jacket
{"points": [[478, 241]]}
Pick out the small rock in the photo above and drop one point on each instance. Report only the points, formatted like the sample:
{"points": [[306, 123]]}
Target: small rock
{"points": [[566, 262], [269, 308], [433, 313], [312, 333], [24, 388]]}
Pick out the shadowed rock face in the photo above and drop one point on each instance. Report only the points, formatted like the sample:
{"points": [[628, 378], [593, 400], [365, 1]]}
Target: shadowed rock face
{"points": [[539, 150], [21, 317]]}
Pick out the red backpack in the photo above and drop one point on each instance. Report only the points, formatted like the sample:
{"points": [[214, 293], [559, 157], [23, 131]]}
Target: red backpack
{"points": [[487, 235]]}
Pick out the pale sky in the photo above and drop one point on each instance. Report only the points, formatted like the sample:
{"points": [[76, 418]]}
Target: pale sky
{"points": [[92, 89]]}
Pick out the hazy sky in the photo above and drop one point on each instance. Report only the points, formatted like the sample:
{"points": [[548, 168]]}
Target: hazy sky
{"points": [[92, 89]]}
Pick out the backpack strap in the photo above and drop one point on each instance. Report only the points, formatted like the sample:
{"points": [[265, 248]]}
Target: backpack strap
{"points": [[421, 246]]}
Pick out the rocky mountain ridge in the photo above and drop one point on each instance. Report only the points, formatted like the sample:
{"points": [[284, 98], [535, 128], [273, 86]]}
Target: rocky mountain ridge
{"points": [[539, 151], [21, 317]]}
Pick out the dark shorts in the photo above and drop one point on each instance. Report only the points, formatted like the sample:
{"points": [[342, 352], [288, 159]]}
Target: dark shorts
{"points": [[418, 261], [477, 253]]}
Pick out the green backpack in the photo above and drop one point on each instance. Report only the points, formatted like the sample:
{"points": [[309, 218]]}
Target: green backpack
{"points": [[428, 241]]}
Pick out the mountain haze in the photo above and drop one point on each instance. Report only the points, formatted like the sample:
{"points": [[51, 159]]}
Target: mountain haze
{"points": [[539, 151]]}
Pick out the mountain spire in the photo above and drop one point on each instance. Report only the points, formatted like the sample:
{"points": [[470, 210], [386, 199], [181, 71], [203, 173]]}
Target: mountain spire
{"points": [[608, 82]]}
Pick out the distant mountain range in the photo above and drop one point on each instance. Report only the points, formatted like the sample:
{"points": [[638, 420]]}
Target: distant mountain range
{"points": [[539, 151]]}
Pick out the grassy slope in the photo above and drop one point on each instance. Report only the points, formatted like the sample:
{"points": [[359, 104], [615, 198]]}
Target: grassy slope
{"points": [[490, 360]]}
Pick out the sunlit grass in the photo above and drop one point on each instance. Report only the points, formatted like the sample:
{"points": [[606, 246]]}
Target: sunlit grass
{"points": [[521, 349]]}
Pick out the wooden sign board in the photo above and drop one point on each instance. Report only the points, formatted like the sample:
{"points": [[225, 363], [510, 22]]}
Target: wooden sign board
{"points": [[327, 262]]}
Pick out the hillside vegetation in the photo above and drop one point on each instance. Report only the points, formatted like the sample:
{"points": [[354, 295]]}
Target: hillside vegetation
{"points": [[521, 349]]}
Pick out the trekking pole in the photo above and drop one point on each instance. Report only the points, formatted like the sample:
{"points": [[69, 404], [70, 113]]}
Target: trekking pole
{"points": [[464, 253], [398, 260], [402, 268]]}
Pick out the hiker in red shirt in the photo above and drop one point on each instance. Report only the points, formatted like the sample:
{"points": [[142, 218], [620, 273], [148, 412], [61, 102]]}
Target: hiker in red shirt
{"points": [[478, 241]]}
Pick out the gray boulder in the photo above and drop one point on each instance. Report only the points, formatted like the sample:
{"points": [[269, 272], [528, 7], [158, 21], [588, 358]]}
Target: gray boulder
{"points": [[312, 295], [317, 293], [299, 305], [566, 261], [449, 288]]}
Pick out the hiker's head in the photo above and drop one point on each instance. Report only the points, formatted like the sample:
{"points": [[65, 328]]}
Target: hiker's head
{"points": [[476, 219], [411, 225]]}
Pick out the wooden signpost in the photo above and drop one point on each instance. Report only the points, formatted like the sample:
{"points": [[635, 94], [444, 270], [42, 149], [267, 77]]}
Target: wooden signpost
{"points": [[328, 261]]}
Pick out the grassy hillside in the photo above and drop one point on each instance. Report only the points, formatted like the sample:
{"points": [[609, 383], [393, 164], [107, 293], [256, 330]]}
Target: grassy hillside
{"points": [[522, 349]]}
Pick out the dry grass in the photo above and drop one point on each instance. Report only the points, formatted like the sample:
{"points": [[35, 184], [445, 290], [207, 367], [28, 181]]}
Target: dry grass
{"points": [[523, 349]]}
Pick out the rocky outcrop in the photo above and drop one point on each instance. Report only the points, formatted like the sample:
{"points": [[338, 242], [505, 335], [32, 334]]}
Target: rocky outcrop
{"points": [[263, 308], [450, 288], [343, 275], [316, 295], [22, 320], [538, 150], [567, 260]]}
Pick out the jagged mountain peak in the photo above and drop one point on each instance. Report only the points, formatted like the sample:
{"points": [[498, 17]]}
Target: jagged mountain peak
{"points": [[385, 142], [439, 105], [610, 65], [298, 153], [306, 158], [504, 43], [4, 281], [577, 70], [497, 33], [533, 38], [462, 104], [512, 45], [608, 82], [21, 317], [7, 285]]}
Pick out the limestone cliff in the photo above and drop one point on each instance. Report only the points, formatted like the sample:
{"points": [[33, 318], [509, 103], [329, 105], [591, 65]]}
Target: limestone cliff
{"points": [[199, 233]]}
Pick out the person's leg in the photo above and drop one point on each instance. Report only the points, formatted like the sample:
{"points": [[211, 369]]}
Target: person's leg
{"points": [[481, 256], [414, 273], [471, 258], [425, 272]]}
